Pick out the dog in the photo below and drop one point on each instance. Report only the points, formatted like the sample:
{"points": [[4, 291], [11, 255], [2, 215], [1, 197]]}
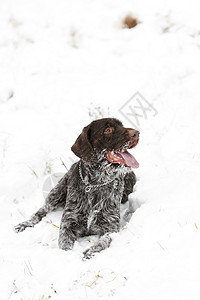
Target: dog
{"points": [[92, 190]]}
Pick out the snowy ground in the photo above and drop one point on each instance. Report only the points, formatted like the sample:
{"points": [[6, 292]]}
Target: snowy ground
{"points": [[59, 61]]}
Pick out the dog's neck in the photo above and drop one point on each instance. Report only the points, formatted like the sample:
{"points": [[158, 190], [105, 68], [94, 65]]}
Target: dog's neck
{"points": [[101, 170]]}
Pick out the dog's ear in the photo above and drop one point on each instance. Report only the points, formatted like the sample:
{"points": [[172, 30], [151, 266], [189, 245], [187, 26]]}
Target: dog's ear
{"points": [[82, 146]]}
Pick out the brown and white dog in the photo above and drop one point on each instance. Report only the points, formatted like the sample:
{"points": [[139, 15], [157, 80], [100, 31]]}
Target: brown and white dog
{"points": [[92, 190]]}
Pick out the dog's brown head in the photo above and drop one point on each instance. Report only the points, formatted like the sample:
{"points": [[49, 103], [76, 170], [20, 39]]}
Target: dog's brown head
{"points": [[107, 136]]}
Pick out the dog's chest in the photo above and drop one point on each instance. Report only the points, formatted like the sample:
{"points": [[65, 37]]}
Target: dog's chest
{"points": [[103, 202], [95, 204]]}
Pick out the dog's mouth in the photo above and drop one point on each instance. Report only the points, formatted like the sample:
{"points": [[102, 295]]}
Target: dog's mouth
{"points": [[122, 157]]}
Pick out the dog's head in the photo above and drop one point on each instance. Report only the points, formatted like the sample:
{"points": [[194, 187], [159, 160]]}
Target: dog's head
{"points": [[108, 137]]}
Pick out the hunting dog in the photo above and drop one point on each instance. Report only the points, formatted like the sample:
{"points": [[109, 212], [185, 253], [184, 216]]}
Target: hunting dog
{"points": [[92, 190]]}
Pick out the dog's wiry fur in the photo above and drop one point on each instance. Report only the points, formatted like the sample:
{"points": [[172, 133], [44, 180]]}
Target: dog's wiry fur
{"points": [[96, 211]]}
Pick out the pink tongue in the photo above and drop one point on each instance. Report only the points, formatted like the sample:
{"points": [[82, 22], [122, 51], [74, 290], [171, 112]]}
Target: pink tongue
{"points": [[129, 159]]}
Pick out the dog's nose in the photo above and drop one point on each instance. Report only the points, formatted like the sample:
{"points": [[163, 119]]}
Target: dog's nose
{"points": [[133, 133]]}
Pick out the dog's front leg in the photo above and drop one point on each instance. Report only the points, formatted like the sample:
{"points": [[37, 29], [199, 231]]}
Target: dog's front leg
{"points": [[68, 231], [36, 218], [103, 243], [55, 199]]}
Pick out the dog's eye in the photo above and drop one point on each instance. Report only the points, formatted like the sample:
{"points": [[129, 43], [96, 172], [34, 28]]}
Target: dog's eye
{"points": [[108, 130]]}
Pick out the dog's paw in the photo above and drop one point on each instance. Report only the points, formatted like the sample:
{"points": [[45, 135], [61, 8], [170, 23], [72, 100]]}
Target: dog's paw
{"points": [[21, 227], [87, 254]]}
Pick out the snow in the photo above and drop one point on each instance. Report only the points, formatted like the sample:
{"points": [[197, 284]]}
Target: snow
{"points": [[62, 64]]}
